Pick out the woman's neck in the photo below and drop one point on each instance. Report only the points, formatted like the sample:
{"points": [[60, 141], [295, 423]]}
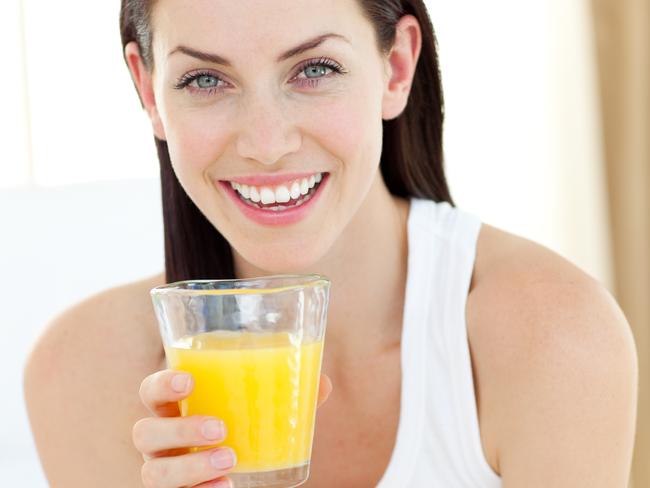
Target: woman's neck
{"points": [[367, 267]]}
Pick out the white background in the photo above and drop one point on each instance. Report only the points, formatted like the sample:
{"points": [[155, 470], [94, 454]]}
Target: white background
{"points": [[79, 198]]}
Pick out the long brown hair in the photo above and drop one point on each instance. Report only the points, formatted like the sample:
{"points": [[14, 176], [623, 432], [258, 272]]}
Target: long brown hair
{"points": [[411, 160]]}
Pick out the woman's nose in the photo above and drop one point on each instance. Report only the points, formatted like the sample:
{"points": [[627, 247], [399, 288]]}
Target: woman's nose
{"points": [[266, 132]]}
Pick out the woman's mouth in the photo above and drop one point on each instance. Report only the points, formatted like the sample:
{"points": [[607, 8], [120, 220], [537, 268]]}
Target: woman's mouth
{"points": [[279, 198], [282, 203]]}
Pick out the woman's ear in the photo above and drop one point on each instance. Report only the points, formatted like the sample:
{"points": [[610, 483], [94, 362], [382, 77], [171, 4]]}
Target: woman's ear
{"points": [[144, 84], [400, 66]]}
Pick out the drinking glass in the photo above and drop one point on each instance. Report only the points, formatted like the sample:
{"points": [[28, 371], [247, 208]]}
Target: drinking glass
{"points": [[254, 347]]}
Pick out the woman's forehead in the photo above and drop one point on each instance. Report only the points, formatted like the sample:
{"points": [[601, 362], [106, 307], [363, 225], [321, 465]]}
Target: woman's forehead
{"points": [[245, 25]]}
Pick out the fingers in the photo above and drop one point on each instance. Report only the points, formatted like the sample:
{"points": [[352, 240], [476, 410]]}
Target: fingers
{"points": [[161, 391], [324, 389], [188, 469], [152, 435]]}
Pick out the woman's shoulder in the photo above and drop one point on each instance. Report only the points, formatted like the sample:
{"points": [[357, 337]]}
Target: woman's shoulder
{"points": [[549, 343], [81, 381], [118, 321], [118, 316]]}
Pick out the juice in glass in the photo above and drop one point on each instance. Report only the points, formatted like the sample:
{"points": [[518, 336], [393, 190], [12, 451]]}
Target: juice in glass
{"points": [[263, 386]]}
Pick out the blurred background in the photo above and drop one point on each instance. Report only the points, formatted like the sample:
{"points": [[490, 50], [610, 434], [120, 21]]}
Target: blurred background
{"points": [[547, 136]]}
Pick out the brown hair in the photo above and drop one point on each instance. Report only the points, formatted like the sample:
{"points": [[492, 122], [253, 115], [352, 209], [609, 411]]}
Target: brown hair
{"points": [[411, 160]]}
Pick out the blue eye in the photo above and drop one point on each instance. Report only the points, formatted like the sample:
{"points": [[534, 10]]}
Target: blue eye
{"points": [[317, 70], [202, 82], [207, 81]]}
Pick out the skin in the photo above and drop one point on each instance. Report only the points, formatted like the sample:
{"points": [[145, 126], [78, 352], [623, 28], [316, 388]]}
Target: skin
{"points": [[262, 123], [554, 362]]}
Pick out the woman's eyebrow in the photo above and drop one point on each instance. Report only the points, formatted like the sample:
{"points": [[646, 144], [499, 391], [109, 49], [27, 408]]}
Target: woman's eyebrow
{"points": [[217, 59]]}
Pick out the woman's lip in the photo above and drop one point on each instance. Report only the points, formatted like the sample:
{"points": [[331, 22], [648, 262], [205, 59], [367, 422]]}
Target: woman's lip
{"points": [[270, 217], [259, 180]]}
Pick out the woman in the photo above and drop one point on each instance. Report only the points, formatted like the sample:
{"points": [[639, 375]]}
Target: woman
{"points": [[457, 354]]}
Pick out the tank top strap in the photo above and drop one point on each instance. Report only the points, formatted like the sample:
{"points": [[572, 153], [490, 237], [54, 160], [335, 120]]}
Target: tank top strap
{"points": [[418, 290], [438, 439]]}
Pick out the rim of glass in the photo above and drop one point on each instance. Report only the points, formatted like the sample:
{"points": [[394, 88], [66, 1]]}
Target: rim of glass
{"points": [[302, 281]]}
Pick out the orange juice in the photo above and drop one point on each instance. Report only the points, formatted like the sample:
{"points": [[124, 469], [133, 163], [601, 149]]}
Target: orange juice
{"points": [[263, 386]]}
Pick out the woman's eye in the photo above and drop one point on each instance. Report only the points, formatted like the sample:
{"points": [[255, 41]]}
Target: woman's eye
{"points": [[316, 71], [202, 83], [207, 81]]}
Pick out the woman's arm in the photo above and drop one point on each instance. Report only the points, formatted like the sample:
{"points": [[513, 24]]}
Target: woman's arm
{"points": [[565, 381], [81, 389]]}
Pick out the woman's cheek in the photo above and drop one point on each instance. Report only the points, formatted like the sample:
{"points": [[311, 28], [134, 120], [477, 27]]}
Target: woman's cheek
{"points": [[196, 140], [340, 125]]}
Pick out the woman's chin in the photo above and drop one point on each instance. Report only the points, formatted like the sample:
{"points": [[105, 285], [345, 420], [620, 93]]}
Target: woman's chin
{"points": [[288, 260]]}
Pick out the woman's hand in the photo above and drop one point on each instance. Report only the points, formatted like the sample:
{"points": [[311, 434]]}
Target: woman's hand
{"points": [[165, 438]]}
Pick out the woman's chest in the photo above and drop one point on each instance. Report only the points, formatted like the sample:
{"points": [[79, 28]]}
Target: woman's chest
{"points": [[356, 430]]}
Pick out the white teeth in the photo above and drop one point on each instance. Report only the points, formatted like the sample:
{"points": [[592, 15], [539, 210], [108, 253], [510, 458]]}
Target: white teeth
{"points": [[267, 196], [279, 194], [304, 186], [245, 191], [282, 194], [254, 195], [295, 190]]}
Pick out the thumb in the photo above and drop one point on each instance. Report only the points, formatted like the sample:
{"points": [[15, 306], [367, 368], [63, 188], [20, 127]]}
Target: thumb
{"points": [[324, 389]]}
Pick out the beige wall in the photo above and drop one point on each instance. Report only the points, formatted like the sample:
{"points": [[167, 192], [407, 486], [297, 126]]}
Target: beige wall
{"points": [[623, 41]]}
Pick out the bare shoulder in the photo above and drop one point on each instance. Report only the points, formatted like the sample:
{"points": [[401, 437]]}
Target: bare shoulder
{"points": [[81, 384], [119, 320], [555, 367]]}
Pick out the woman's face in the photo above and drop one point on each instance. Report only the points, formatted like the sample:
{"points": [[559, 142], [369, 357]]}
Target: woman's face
{"points": [[262, 111]]}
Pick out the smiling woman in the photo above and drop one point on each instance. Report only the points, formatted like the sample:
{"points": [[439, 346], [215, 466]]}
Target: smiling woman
{"points": [[304, 101], [305, 137]]}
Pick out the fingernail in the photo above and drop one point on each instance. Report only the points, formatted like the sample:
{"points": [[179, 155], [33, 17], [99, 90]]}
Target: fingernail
{"points": [[213, 430], [180, 382], [223, 458]]}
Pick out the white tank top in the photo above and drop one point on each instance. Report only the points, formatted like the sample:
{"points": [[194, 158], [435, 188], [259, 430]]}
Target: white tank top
{"points": [[438, 441]]}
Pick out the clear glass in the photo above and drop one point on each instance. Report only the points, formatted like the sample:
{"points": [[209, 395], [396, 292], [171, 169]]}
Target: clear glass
{"points": [[254, 347]]}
